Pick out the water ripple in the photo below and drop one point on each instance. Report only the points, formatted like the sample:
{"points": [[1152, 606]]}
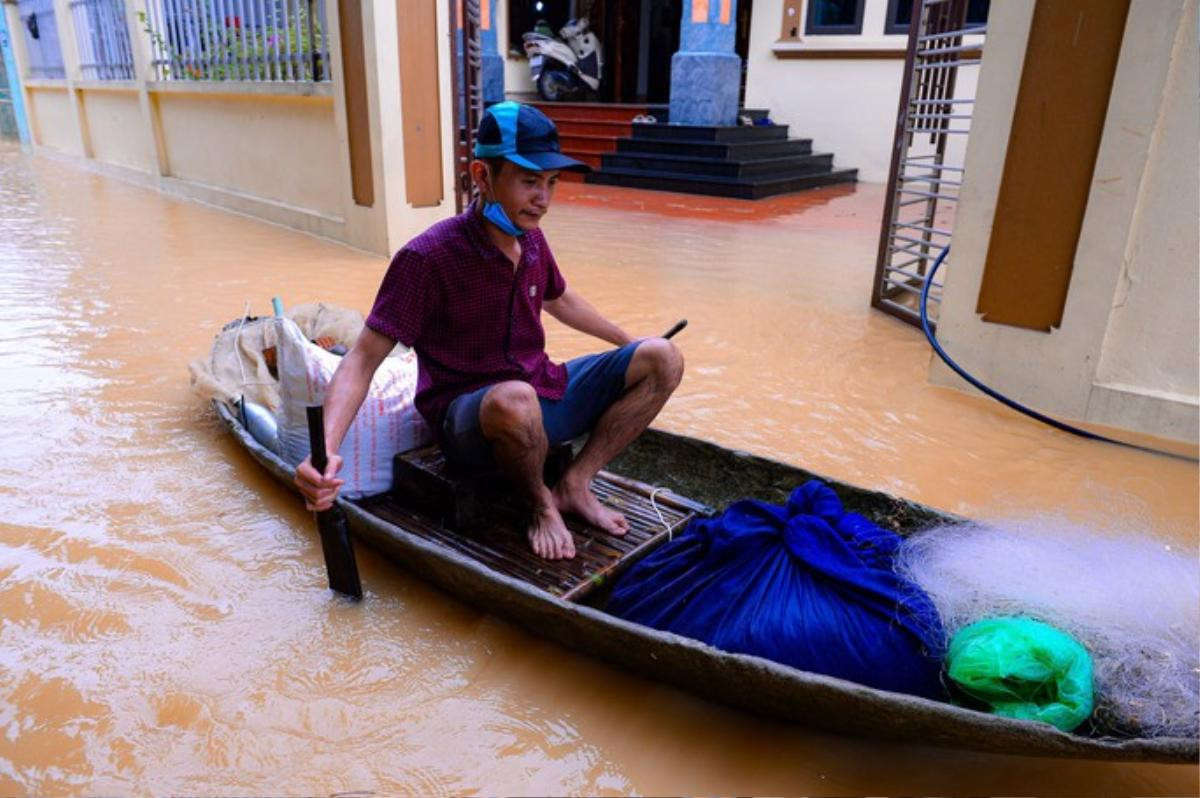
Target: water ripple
{"points": [[164, 622]]}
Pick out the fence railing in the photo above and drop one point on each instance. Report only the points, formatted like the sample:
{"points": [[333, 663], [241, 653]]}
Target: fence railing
{"points": [[102, 35], [926, 173], [254, 40], [40, 32]]}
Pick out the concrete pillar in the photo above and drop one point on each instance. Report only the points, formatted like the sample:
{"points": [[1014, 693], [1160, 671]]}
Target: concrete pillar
{"points": [[144, 73], [68, 45], [493, 62], [706, 73]]}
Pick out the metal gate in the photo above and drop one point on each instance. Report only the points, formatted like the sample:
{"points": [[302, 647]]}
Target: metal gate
{"points": [[8, 115], [468, 91], [928, 154]]}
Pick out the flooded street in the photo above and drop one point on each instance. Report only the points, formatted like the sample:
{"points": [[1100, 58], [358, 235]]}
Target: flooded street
{"points": [[165, 627]]}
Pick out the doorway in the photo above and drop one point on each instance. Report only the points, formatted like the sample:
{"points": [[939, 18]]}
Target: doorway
{"points": [[639, 38]]}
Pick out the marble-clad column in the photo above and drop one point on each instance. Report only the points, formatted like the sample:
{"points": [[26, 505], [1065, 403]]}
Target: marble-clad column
{"points": [[706, 73], [493, 62]]}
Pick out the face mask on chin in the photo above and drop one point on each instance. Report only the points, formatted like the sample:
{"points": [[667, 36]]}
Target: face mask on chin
{"points": [[494, 212]]}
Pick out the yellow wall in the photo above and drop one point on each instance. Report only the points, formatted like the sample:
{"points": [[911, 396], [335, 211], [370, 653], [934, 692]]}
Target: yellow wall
{"points": [[115, 130], [277, 148], [53, 120], [277, 151]]}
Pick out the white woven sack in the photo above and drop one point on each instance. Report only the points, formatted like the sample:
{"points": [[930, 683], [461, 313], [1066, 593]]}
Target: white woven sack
{"points": [[386, 424]]}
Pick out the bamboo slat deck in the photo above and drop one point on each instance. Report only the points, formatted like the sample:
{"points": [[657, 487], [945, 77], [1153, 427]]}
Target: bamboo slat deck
{"points": [[501, 543]]}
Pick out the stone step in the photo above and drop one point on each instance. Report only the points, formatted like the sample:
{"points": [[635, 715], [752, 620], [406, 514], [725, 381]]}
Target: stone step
{"points": [[683, 165], [580, 126], [588, 143], [722, 187], [714, 133], [728, 151]]}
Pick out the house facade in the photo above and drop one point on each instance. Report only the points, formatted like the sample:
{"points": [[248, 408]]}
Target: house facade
{"points": [[326, 116]]}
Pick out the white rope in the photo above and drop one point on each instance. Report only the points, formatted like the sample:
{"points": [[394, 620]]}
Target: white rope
{"points": [[237, 346], [661, 520], [237, 351]]}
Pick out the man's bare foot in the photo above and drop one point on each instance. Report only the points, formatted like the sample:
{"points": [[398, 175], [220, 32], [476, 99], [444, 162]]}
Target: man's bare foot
{"points": [[571, 498], [549, 536]]}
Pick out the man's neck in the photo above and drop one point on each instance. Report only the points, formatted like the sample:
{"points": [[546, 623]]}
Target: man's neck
{"points": [[509, 245]]}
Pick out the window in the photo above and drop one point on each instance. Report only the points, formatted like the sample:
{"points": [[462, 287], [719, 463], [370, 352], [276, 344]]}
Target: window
{"points": [[899, 14], [831, 17], [40, 30], [102, 35], [275, 40]]}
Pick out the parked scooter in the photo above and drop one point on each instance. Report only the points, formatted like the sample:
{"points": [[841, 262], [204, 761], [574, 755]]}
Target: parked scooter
{"points": [[567, 68]]}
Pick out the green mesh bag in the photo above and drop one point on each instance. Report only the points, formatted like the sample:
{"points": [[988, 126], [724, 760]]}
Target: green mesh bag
{"points": [[1024, 669]]}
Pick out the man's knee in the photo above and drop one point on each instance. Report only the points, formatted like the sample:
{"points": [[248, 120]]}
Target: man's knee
{"points": [[663, 360], [510, 408]]}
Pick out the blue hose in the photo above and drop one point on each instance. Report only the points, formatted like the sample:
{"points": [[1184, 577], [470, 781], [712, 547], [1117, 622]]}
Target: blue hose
{"points": [[999, 397]]}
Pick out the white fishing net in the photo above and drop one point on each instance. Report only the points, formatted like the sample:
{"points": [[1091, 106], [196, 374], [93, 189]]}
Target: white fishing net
{"points": [[1133, 602], [236, 365]]}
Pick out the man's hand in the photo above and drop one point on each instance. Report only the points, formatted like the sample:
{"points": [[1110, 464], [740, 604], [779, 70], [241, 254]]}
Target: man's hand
{"points": [[319, 489], [343, 397]]}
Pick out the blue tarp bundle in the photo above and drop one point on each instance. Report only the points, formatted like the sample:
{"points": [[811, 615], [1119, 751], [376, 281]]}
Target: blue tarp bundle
{"points": [[808, 585]]}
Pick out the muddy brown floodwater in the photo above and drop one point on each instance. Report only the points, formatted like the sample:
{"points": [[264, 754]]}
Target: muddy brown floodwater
{"points": [[164, 623]]}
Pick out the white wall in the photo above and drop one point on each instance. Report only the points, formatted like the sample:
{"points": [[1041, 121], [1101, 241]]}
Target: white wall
{"points": [[844, 102], [1156, 299], [1126, 352]]}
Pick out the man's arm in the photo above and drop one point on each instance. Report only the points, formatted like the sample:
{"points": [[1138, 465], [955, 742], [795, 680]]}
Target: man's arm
{"points": [[574, 311], [343, 398]]}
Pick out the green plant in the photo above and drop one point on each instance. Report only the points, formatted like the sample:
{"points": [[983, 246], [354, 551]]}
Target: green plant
{"points": [[223, 48]]}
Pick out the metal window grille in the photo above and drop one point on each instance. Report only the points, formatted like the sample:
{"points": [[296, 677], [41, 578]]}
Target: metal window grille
{"points": [[834, 17], [252, 40], [927, 157], [40, 30], [102, 36]]}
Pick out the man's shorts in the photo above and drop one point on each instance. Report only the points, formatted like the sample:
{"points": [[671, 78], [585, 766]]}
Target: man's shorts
{"points": [[594, 382]]}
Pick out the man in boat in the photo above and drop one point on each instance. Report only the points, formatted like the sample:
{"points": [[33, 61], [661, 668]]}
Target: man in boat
{"points": [[467, 296]]}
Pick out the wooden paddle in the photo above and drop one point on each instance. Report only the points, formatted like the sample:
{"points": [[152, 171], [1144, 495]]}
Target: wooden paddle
{"points": [[332, 524]]}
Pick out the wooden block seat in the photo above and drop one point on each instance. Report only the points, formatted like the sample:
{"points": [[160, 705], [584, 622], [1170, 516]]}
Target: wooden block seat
{"points": [[480, 516]]}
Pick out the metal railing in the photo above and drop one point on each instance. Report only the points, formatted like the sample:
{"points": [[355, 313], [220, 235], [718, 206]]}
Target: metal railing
{"points": [[252, 40], [40, 31], [102, 35], [926, 174]]}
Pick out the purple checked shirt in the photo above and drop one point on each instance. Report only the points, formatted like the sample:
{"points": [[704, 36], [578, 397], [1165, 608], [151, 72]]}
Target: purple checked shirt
{"points": [[473, 319]]}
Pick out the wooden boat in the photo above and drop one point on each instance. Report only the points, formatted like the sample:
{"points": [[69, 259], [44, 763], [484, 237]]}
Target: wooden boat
{"points": [[565, 601]]}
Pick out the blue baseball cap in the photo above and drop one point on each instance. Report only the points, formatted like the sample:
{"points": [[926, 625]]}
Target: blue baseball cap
{"points": [[524, 135]]}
